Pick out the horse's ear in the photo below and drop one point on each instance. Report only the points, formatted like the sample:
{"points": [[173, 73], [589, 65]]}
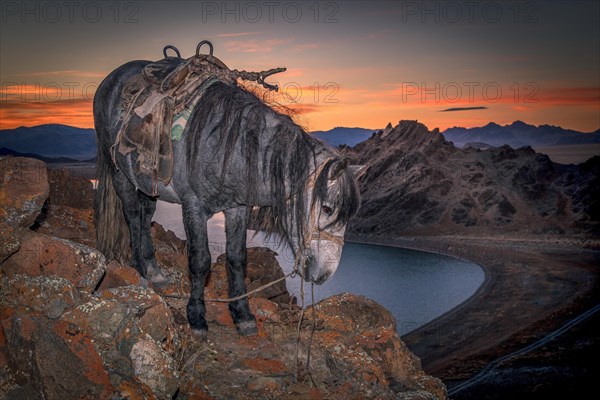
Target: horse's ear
{"points": [[337, 169], [358, 170]]}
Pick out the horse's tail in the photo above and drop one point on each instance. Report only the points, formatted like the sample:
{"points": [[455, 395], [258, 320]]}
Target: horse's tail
{"points": [[112, 234]]}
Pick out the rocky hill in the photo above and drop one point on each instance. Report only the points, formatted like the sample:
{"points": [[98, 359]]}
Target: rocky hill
{"points": [[75, 327], [418, 183]]}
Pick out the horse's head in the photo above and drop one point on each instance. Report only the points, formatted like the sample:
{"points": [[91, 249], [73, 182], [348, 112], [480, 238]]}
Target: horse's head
{"points": [[334, 198]]}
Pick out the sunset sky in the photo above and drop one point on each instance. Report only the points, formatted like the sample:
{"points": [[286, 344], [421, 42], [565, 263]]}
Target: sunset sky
{"points": [[372, 62]]}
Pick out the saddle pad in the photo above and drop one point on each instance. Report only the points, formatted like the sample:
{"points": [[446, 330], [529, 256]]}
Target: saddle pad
{"points": [[181, 118]]}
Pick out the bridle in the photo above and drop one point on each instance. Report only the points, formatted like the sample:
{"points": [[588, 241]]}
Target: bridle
{"points": [[312, 231]]}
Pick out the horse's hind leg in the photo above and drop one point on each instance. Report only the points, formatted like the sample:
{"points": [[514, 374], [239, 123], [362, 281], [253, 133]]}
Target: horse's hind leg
{"points": [[138, 210], [147, 209], [194, 219], [235, 229]]}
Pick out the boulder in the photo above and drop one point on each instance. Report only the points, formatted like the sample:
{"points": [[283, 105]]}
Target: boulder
{"points": [[48, 295], [134, 332], [121, 275], [362, 347], [53, 359], [42, 255], [154, 367], [23, 191], [69, 190]]}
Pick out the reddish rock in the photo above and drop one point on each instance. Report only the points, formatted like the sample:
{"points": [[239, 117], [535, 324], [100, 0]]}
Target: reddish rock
{"points": [[353, 314], [68, 190], [157, 322], [23, 191], [265, 383], [262, 268], [154, 367], [265, 366], [45, 255], [134, 313], [121, 275], [361, 344], [218, 313], [134, 390], [5, 314], [135, 334], [37, 346], [50, 295], [68, 223]]}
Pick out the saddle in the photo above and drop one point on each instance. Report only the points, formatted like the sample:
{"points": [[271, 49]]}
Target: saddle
{"points": [[157, 104]]}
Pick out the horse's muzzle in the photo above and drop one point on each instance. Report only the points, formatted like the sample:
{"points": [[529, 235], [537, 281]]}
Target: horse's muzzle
{"points": [[312, 273]]}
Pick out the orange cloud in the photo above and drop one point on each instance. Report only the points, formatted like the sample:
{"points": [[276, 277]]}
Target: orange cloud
{"points": [[69, 72], [69, 112], [582, 96], [255, 46]]}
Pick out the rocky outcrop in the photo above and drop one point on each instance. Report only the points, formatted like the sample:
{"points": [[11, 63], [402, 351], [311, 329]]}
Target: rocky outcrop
{"points": [[23, 191], [358, 340], [74, 327], [418, 184], [127, 340]]}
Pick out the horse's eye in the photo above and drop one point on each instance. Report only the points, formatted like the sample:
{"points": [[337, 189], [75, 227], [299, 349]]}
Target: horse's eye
{"points": [[327, 210]]}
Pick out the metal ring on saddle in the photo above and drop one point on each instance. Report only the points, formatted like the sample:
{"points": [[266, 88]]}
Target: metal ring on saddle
{"points": [[210, 46], [170, 46]]}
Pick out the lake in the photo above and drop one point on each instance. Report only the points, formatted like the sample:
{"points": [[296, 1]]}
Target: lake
{"points": [[415, 286]]}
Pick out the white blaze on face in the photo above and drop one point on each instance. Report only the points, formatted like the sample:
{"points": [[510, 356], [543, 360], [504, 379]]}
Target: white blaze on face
{"points": [[326, 258], [325, 253]]}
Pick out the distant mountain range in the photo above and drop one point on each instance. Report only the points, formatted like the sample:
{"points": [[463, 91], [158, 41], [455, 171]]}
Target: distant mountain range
{"points": [[56, 141], [48, 160], [347, 136], [519, 134], [51, 140]]}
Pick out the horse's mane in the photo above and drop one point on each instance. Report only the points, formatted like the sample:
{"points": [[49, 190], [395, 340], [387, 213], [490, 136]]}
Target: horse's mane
{"points": [[238, 117]]}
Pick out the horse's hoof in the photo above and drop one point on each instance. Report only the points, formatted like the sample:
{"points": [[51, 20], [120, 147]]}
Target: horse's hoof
{"points": [[200, 334], [157, 278], [247, 328]]}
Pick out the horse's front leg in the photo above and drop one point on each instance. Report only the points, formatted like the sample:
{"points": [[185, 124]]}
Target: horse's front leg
{"points": [[194, 219], [236, 220]]}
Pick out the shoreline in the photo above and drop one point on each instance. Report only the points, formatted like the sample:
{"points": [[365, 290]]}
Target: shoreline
{"points": [[487, 277], [530, 288]]}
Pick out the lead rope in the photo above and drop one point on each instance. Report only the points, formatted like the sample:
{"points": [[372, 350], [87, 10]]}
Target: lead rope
{"points": [[312, 333], [298, 328]]}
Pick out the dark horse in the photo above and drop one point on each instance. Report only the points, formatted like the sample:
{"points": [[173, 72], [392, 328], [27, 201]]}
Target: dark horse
{"points": [[236, 155]]}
